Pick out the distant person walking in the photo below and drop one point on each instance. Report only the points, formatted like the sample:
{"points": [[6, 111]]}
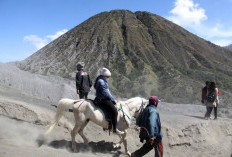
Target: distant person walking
{"points": [[204, 92], [217, 102], [150, 130], [204, 95], [212, 100], [83, 81]]}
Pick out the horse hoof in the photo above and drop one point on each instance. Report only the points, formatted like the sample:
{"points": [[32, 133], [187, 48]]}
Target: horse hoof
{"points": [[115, 146], [128, 153], [86, 143], [74, 150]]}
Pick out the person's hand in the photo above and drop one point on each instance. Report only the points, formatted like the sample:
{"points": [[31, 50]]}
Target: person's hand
{"points": [[151, 140], [115, 101], [78, 92]]}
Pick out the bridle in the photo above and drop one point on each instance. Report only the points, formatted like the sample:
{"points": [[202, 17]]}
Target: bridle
{"points": [[140, 108]]}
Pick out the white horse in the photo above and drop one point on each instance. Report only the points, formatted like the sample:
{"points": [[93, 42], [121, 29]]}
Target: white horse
{"points": [[85, 111]]}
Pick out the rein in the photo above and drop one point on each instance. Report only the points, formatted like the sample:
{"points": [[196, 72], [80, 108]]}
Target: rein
{"points": [[124, 114]]}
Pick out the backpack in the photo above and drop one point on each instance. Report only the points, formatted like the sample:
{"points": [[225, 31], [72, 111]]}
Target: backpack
{"points": [[211, 96]]}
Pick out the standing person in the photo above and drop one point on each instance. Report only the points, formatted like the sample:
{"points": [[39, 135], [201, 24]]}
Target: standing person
{"points": [[217, 103], [204, 92], [212, 100], [105, 99], [83, 81], [150, 130], [204, 95]]}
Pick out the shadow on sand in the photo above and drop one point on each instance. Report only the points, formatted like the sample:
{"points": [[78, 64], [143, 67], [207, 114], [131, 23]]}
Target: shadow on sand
{"points": [[199, 117], [94, 147]]}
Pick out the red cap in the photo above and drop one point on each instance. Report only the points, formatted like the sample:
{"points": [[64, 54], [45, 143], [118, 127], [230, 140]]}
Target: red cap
{"points": [[153, 100]]}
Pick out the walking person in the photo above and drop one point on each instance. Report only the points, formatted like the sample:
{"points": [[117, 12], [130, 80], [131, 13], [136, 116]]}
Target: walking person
{"points": [[204, 92], [105, 99], [204, 95], [150, 130], [83, 81], [212, 100], [217, 103]]}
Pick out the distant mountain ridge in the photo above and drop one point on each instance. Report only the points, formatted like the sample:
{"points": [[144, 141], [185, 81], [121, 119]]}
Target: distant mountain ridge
{"points": [[147, 54], [229, 47]]}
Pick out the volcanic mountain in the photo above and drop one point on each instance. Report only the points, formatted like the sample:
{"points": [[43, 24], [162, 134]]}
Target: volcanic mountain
{"points": [[147, 55]]}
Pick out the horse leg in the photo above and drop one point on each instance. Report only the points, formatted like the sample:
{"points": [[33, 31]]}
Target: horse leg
{"points": [[124, 139], [86, 141], [73, 135], [117, 145]]}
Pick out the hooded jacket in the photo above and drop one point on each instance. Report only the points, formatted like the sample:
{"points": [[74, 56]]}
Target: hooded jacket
{"points": [[102, 89], [150, 124]]}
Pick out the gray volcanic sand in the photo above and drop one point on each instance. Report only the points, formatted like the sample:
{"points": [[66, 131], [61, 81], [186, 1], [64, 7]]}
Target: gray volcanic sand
{"points": [[26, 112]]}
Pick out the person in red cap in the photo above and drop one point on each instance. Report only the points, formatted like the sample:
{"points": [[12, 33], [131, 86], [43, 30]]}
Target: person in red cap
{"points": [[150, 130]]}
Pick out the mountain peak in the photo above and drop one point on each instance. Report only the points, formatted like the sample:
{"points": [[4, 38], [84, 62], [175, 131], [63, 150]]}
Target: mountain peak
{"points": [[147, 54]]}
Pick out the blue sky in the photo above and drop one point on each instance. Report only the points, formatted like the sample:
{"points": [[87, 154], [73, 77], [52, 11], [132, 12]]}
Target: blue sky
{"points": [[28, 25]]}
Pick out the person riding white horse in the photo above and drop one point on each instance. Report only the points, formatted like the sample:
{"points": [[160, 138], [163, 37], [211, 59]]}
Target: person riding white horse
{"points": [[85, 111], [105, 100]]}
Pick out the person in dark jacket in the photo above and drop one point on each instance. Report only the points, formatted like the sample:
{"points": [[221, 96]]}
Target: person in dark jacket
{"points": [[83, 81], [150, 130], [212, 100], [204, 92], [105, 98], [204, 95]]}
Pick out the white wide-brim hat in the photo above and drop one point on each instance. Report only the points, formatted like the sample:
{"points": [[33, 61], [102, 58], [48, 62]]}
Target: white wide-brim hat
{"points": [[105, 72]]}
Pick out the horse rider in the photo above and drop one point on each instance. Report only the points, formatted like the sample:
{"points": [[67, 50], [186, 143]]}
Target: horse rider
{"points": [[105, 99], [150, 130]]}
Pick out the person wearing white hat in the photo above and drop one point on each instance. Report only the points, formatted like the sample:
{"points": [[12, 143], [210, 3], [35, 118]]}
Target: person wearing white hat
{"points": [[83, 81], [105, 72], [105, 99]]}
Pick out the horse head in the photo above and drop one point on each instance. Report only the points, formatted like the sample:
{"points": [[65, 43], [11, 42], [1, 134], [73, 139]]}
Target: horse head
{"points": [[136, 105]]}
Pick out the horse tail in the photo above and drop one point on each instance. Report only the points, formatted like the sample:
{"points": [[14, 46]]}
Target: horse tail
{"points": [[63, 105]]}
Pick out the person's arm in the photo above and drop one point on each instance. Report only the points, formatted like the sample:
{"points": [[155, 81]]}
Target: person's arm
{"points": [[105, 91], [217, 99], [90, 81], [78, 82], [153, 125], [203, 95]]}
